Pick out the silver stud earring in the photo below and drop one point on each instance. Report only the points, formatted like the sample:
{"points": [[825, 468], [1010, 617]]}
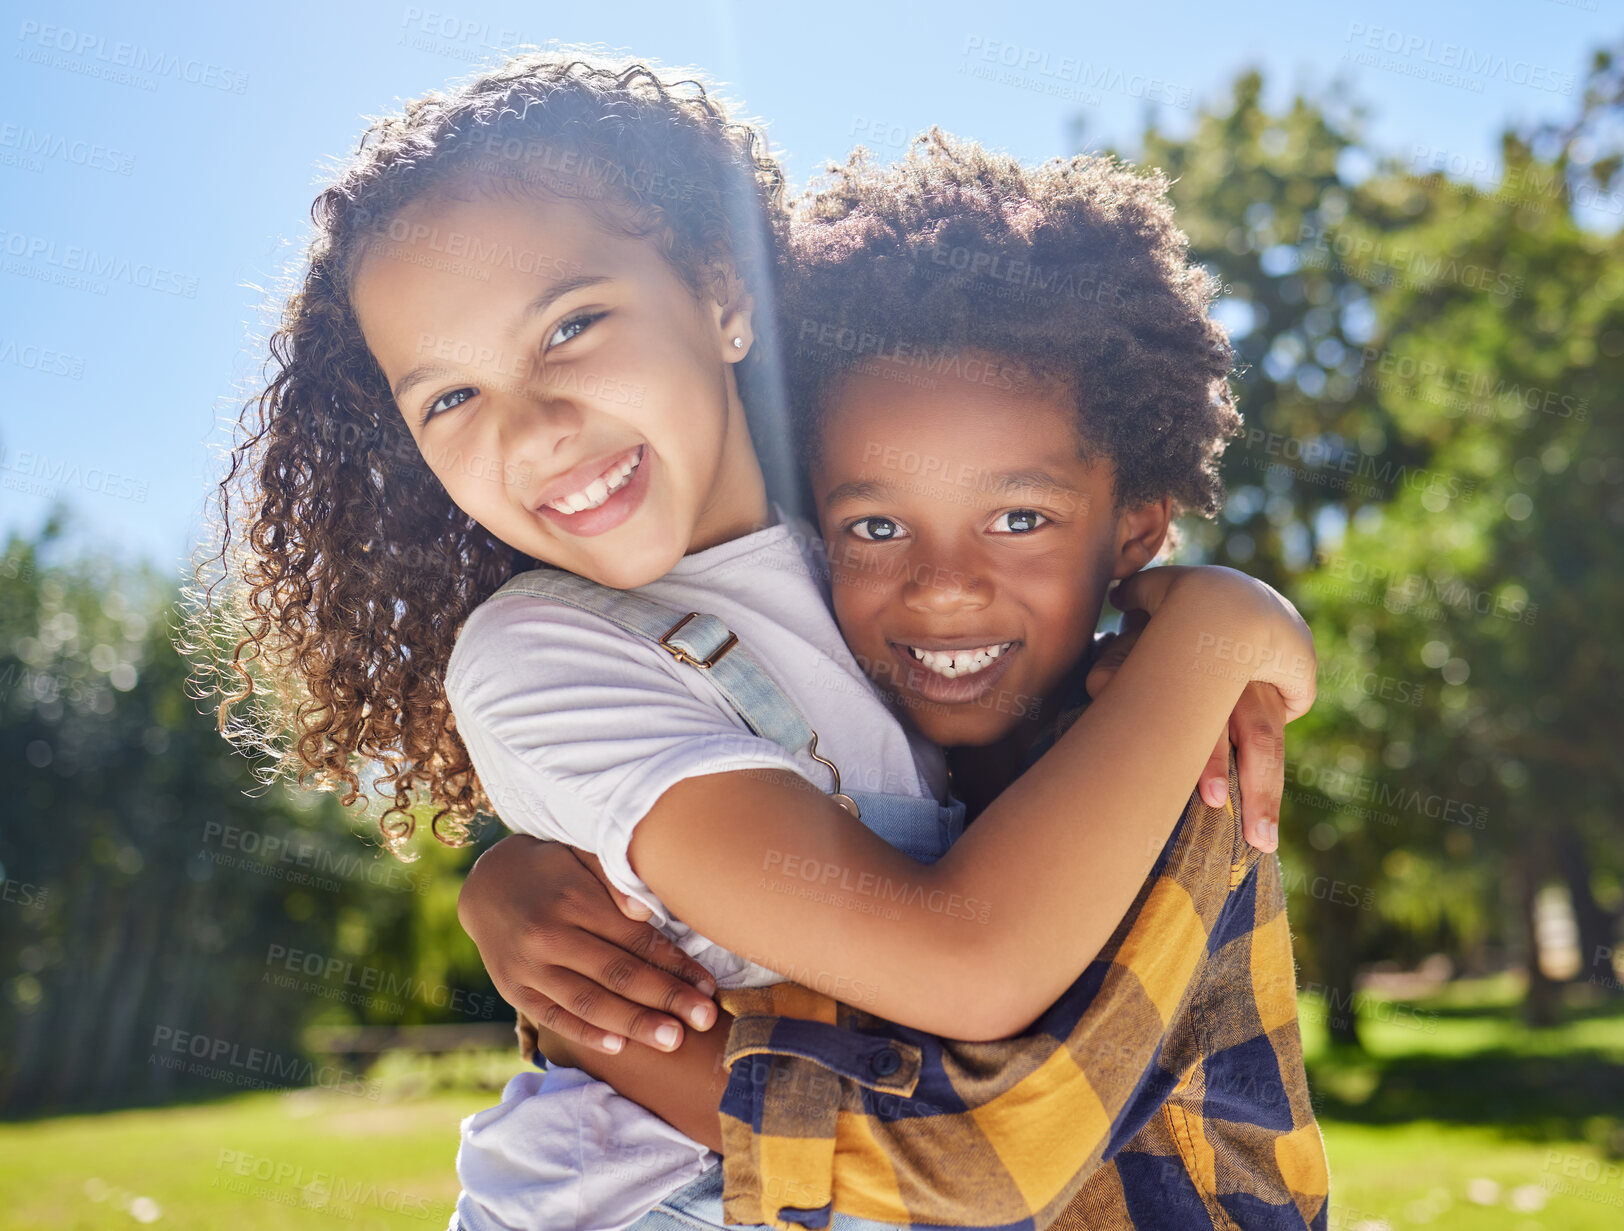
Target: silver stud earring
{"points": [[738, 343]]}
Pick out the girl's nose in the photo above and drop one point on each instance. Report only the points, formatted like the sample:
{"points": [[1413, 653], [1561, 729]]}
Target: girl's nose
{"points": [[536, 430]]}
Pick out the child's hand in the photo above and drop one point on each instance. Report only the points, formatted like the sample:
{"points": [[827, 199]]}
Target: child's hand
{"points": [[1115, 653], [564, 949], [1251, 630]]}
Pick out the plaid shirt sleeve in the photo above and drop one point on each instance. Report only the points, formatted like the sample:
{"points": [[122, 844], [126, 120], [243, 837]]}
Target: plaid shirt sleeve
{"points": [[1174, 1056]]}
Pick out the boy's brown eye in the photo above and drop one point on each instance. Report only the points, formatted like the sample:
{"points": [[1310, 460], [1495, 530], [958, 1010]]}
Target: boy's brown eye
{"points": [[876, 529], [1018, 521]]}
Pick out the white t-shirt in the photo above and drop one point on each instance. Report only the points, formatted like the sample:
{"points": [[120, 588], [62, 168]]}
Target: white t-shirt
{"points": [[576, 728]]}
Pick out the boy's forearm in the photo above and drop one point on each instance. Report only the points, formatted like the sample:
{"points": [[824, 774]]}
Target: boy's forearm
{"points": [[683, 1088]]}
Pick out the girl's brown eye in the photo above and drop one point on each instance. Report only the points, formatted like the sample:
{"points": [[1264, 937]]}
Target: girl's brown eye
{"points": [[438, 406], [573, 327]]}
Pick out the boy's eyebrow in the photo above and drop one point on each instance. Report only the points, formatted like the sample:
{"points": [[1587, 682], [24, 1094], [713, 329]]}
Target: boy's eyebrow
{"points": [[996, 482], [538, 305], [857, 489], [1012, 480]]}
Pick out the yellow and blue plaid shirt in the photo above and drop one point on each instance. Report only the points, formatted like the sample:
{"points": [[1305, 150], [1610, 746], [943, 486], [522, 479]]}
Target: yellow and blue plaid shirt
{"points": [[1165, 1089]]}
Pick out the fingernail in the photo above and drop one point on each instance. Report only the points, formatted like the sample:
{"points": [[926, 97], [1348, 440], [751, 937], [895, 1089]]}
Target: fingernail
{"points": [[666, 1035], [702, 1016], [1271, 832], [1217, 791], [613, 1043], [706, 986]]}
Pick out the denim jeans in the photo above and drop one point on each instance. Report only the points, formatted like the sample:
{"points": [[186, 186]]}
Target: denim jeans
{"points": [[698, 1207]]}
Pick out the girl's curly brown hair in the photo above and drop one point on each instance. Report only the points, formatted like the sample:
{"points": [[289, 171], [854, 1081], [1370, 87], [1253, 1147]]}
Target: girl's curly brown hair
{"points": [[350, 571], [1074, 269]]}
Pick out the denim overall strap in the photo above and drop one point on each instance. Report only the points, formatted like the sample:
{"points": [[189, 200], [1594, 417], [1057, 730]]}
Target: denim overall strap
{"points": [[918, 826], [696, 638], [703, 642]]}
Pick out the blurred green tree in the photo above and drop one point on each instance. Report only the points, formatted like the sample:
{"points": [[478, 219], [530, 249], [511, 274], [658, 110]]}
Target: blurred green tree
{"points": [[153, 887], [1431, 470]]}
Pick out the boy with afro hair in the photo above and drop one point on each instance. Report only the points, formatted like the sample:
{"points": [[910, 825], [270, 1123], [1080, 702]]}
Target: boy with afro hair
{"points": [[1006, 384]]}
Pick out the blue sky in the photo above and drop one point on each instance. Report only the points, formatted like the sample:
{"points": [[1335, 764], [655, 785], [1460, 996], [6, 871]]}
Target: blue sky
{"points": [[195, 177]]}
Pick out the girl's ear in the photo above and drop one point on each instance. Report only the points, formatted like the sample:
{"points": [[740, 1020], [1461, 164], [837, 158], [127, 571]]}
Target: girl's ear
{"points": [[733, 307], [1140, 534]]}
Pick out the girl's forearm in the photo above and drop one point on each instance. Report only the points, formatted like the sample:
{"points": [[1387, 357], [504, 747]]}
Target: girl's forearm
{"points": [[976, 945], [1063, 851]]}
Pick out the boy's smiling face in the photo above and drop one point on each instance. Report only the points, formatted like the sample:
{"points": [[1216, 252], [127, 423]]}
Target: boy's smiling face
{"points": [[970, 546]]}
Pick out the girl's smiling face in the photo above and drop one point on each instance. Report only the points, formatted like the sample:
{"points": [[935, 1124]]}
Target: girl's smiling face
{"points": [[970, 546], [572, 394]]}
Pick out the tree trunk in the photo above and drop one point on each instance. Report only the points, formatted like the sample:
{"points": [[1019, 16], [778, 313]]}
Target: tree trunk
{"points": [[1598, 927], [1541, 1007], [1337, 949]]}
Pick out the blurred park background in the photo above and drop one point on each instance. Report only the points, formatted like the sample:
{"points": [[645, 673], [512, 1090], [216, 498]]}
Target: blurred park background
{"points": [[221, 1004]]}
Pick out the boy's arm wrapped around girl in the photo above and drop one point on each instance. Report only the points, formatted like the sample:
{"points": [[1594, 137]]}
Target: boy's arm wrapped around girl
{"points": [[1166, 1087]]}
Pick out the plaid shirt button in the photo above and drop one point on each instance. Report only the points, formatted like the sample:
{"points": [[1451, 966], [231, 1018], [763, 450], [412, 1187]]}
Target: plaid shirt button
{"points": [[885, 1062]]}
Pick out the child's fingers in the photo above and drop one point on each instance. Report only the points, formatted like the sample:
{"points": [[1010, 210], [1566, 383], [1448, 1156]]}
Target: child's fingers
{"points": [[629, 906], [1258, 729], [620, 993], [1214, 781], [653, 947], [584, 1008], [1115, 653], [553, 1017], [1105, 666], [641, 939], [529, 1039], [1147, 589]]}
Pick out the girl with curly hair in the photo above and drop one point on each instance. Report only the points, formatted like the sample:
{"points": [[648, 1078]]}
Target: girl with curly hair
{"points": [[504, 442]]}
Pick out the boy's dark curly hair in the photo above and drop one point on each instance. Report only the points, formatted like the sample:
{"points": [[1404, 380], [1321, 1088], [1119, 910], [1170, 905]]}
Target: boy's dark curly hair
{"points": [[1073, 269], [349, 570]]}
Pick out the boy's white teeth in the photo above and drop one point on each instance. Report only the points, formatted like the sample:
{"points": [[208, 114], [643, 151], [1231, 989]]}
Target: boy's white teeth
{"points": [[952, 663], [599, 490]]}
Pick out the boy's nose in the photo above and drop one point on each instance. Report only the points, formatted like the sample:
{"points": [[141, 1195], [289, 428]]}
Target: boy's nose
{"points": [[942, 589]]}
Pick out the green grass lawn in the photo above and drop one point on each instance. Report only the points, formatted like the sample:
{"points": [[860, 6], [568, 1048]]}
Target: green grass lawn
{"points": [[254, 1161], [259, 1162], [1455, 1116]]}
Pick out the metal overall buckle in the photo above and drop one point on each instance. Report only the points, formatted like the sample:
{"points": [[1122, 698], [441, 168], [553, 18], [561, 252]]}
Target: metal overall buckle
{"points": [[682, 655]]}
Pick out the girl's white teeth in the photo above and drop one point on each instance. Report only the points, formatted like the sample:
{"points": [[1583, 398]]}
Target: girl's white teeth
{"points": [[952, 663], [599, 490]]}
